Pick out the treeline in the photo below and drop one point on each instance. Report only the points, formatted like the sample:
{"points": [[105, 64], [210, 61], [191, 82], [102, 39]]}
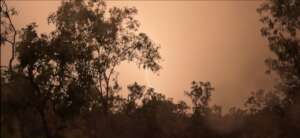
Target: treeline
{"points": [[64, 84]]}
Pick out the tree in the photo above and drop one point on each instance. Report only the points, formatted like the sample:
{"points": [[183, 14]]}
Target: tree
{"points": [[72, 70], [264, 101], [281, 29], [8, 30], [200, 95], [101, 40], [136, 92], [280, 107], [35, 66]]}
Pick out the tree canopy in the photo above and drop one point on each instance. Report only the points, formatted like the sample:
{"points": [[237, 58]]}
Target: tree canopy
{"points": [[65, 83]]}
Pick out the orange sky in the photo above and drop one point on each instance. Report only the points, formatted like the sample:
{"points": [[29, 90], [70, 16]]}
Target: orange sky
{"points": [[216, 41]]}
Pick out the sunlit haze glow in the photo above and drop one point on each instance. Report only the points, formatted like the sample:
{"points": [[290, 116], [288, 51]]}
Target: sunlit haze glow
{"points": [[216, 41]]}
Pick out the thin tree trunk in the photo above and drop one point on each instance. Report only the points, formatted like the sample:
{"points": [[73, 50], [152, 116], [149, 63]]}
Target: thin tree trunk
{"points": [[13, 42]]}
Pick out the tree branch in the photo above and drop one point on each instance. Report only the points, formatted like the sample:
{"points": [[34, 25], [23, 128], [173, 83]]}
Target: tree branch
{"points": [[13, 42]]}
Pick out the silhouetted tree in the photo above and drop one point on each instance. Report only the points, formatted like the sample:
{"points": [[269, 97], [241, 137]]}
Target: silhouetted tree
{"points": [[72, 70], [65, 83], [8, 30], [200, 95], [136, 92], [276, 111], [101, 40], [281, 29]]}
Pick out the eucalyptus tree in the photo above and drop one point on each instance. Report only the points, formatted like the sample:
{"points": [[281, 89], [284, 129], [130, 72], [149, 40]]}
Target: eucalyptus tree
{"points": [[8, 31], [73, 69], [101, 39], [281, 29], [200, 93], [136, 92], [281, 25]]}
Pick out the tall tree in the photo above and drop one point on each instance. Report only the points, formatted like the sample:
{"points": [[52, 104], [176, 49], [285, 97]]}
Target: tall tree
{"points": [[281, 29], [101, 40], [281, 19], [73, 69]]}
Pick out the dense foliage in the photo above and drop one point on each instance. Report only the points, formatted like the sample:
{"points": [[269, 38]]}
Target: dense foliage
{"points": [[65, 83]]}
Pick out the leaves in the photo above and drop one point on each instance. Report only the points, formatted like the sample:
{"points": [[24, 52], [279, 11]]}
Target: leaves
{"points": [[200, 95], [281, 28]]}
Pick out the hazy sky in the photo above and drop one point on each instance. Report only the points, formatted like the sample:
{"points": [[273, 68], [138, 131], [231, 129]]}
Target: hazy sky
{"points": [[216, 41]]}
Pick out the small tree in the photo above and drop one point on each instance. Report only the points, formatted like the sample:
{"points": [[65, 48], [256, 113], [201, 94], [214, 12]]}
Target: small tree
{"points": [[200, 95], [8, 30], [136, 92]]}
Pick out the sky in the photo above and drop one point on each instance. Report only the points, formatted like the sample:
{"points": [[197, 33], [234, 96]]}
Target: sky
{"points": [[216, 41]]}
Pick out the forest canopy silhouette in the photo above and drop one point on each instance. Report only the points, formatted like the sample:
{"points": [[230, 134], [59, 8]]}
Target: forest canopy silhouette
{"points": [[64, 84]]}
